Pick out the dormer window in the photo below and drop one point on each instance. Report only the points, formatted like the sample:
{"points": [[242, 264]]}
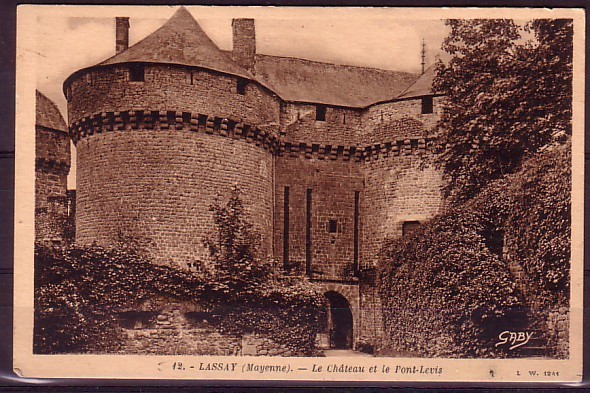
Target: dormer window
{"points": [[427, 105], [241, 86], [320, 112], [137, 73]]}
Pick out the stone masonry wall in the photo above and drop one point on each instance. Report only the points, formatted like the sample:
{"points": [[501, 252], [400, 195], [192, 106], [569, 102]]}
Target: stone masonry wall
{"points": [[174, 330], [389, 121], [397, 189], [370, 309], [169, 87], [333, 183], [341, 127], [157, 185], [52, 154]]}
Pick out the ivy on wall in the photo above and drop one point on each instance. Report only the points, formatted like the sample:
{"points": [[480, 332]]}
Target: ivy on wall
{"points": [[449, 290]]}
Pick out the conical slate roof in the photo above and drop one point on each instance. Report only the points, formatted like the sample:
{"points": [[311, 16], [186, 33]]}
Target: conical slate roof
{"points": [[47, 114], [180, 41]]}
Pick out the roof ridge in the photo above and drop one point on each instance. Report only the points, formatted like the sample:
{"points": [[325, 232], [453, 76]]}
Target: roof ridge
{"points": [[334, 64]]}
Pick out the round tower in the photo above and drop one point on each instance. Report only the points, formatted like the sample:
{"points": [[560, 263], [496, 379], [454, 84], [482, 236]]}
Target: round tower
{"points": [[164, 129], [52, 165]]}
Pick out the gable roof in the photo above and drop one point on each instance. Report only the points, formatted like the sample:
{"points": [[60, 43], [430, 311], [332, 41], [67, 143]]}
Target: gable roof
{"points": [[180, 41], [333, 84], [47, 114]]}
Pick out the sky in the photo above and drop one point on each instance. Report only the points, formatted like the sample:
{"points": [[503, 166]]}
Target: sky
{"points": [[72, 37]]}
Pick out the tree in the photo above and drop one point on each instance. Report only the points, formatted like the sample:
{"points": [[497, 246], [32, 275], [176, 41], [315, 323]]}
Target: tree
{"points": [[505, 97], [233, 248]]}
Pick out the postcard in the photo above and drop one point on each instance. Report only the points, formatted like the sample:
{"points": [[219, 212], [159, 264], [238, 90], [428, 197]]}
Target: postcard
{"points": [[299, 194]]}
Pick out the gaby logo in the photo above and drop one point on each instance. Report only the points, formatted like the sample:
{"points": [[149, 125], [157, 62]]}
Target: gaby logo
{"points": [[514, 339]]}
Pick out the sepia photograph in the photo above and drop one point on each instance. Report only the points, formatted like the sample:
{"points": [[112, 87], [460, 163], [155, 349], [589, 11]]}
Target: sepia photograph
{"points": [[299, 193]]}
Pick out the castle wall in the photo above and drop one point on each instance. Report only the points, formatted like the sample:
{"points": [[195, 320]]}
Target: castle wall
{"points": [[341, 126], [398, 119], [333, 183], [52, 153], [172, 331], [170, 87], [157, 185], [154, 155], [397, 189]]}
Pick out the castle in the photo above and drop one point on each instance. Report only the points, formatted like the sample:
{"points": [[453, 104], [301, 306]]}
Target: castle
{"points": [[328, 158]]}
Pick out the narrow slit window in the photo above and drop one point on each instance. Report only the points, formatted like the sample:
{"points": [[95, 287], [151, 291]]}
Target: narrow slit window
{"points": [[320, 112], [427, 106], [137, 73], [308, 234], [356, 233]]}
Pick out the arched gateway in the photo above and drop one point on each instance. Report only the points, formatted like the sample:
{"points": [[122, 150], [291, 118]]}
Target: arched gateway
{"points": [[340, 321]]}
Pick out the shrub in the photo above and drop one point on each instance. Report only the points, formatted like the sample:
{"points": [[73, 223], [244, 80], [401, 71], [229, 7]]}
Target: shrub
{"points": [[456, 294]]}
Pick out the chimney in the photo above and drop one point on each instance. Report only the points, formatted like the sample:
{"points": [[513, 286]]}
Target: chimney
{"points": [[122, 34], [244, 43]]}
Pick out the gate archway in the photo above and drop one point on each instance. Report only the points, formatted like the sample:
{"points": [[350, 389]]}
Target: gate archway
{"points": [[340, 321]]}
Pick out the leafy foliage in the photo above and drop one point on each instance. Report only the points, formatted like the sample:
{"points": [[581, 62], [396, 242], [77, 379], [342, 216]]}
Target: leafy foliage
{"points": [[539, 235], [505, 97], [455, 292], [457, 285], [232, 247], [81, 290]]}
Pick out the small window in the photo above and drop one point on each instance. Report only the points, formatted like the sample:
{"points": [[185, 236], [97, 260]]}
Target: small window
{"points": [[332, 226], [137, 73], [410, 227], [426, 105], [320, 112], [241, 86]]}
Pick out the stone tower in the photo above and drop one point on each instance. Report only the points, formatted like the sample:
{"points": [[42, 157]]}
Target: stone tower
{"points": [[52, 165], [162, 130]]}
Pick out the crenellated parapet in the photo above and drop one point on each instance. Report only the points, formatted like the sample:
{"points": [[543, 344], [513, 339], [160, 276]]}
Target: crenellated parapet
{"points": [[235, 128], [166, 120]]}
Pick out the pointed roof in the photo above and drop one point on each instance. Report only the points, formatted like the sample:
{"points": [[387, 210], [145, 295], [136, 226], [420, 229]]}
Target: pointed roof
{"points": [[47, 113], [180, 41], [422, 86]]}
